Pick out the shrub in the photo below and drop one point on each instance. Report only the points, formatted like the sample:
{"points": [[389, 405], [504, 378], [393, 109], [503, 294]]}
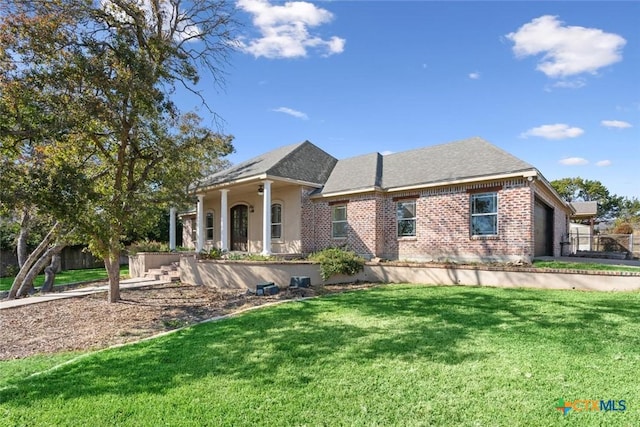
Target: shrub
{"points": [[623, 228], [337, 261], [213, 253], [148, 246]]}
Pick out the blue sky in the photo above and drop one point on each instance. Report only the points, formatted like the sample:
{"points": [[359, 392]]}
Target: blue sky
{"points": [[557, 84]]}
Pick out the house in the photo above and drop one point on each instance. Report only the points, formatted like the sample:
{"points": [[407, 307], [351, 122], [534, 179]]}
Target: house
{"points": [[462, 201], [581, 227]]}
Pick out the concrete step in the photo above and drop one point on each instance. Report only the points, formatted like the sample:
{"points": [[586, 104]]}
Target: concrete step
{"points": [[165, 272]]}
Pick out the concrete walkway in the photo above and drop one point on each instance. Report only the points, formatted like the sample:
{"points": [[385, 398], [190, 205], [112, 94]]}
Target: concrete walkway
{"points": [[124, 284]]}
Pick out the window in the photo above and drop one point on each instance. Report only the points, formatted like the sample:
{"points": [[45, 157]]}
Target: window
{"points": [[209, 226], [484, 214], [339, 221], [276, 221], [406, 216]]}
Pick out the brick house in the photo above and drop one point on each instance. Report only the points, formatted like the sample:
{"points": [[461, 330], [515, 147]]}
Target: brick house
{"points": [[462, 201]]}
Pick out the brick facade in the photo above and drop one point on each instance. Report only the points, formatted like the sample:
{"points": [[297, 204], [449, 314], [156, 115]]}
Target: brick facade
{"points": [[442, 224]]}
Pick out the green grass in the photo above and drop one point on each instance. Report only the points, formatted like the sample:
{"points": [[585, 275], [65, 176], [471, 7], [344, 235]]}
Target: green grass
{"points": [[583, 266], [69, 276], [400, 355]]}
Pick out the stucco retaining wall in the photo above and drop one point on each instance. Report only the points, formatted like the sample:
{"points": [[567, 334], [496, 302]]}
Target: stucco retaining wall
{"points": [[502, 278], [246, 275]]}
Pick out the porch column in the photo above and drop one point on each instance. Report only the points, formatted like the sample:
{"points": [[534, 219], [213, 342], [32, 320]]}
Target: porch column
{"points": [[200, 224], [266, 219], [224, 220], [172, 229]]}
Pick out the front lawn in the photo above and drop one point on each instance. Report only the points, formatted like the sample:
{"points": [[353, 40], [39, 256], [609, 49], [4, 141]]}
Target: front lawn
{"points": [[565, 265], [393, 355], [69, 276]]}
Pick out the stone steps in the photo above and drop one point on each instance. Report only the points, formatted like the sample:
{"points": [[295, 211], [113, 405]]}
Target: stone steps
{"points": [[166, 272]]}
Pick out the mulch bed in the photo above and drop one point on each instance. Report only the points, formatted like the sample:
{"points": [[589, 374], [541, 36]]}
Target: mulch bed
{"points": [[89, 322]]}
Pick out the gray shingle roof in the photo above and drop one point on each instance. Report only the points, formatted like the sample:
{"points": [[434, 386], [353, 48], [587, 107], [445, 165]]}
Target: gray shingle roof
{"points": [[469, 158], [355, 173], [585, 208], [303, 161]]}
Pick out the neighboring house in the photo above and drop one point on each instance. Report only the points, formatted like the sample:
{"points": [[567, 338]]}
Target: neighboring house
{"points": [[581, 228], [462, 201]]}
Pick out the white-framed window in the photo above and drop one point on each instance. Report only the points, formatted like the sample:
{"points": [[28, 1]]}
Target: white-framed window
{"points": [[484, 214], [339, 221], [209, 225], [406, 218], [276, 221]]}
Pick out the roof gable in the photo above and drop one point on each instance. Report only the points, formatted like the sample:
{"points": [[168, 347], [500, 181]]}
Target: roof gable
{"points": [[302, 162]]}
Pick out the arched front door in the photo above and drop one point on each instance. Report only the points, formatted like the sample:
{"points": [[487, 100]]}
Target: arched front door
{"points": [[239, 224]]}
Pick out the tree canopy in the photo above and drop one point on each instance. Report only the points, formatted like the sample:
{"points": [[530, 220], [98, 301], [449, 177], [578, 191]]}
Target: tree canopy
{"points": [[585, 190], [86, 104]]}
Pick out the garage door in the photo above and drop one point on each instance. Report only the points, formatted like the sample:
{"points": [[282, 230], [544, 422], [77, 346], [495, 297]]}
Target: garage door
{"points": [[543, 229]]}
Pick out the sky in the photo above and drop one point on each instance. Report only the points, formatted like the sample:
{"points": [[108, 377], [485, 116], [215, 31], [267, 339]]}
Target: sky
{"points": [[557, 84]]}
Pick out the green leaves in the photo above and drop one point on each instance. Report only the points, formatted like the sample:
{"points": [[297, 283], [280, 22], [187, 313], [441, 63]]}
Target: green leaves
{"points": [[86, 88]]}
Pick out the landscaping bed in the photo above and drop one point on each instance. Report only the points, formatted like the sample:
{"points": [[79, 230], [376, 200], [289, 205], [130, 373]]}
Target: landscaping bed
{"points": [[91, 323]]}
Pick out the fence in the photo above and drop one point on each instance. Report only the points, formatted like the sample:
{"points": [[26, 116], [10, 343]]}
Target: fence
{"points": [[71, 258], [616, 243]]}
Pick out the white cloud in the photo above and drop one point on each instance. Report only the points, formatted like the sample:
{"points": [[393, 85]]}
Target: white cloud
{"points": [[291, 112], [603, 163], [566, 50], [574, 161], [474, 76], [387, 152], [284, 29], [556, 131], [570, 84], [618, 124]]}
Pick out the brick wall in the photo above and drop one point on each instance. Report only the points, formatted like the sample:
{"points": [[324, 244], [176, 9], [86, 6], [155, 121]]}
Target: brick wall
{"points": [[442, 225]]}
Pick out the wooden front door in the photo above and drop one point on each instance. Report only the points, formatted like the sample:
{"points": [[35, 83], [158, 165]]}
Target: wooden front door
{"points": [[239, 225]]}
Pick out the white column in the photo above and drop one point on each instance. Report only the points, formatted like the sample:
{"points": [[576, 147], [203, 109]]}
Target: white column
{"points": [[266, 219], [224, 220], [172, 229], [200, 224]]}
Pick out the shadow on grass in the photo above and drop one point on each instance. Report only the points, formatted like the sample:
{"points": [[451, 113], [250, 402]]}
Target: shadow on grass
{"points": [[387, 324]]}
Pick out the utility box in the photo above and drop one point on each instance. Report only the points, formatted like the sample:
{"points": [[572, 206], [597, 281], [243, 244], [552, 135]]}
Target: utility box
{"points": [[300, 282], [271, 290], [261, 286]]}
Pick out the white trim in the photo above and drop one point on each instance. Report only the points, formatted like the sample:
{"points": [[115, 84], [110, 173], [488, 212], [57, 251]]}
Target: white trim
{"points": [[224, 221], [257, 179], [266, 218], [172, 228], [200, 224]]}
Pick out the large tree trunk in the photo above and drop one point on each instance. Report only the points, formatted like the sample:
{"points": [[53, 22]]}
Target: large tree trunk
{"points": [[23, 237], [27, 284], [112, 264], [31, 260], [50, 273]]}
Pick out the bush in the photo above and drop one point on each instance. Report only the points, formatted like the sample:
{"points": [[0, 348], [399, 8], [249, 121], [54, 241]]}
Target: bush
{"points": [[214, 253], [337, 261], [148, 246], [623, 228], [249, 257]]}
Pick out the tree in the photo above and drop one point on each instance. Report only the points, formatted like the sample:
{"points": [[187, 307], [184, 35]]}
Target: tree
{"points": [[586, 190], [100, 76]]}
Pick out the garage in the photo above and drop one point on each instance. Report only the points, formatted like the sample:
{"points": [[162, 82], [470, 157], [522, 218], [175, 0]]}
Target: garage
{"points": [[542, 229]]}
